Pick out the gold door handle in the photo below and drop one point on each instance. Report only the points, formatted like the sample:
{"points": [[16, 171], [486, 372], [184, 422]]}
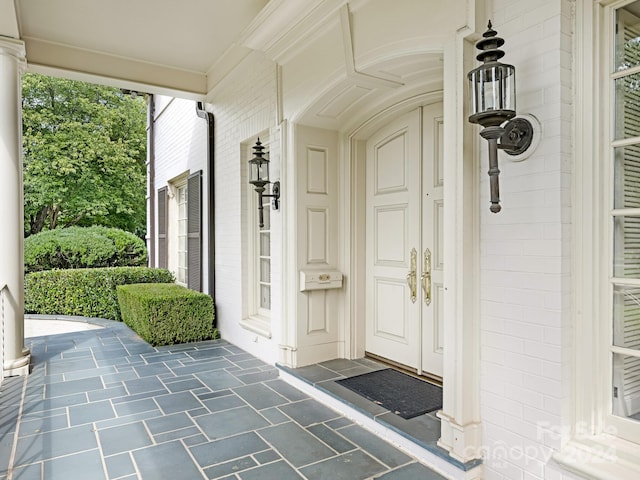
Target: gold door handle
{"points": [[426, 277], [412, 279]]}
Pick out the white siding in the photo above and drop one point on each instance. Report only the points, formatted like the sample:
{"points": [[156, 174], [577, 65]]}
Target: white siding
{"points": [[181, 146]]}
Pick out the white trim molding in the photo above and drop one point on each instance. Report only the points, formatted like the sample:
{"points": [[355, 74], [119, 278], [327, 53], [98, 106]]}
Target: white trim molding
{"points": [[461, 432], [589, 447], [15, 48]]}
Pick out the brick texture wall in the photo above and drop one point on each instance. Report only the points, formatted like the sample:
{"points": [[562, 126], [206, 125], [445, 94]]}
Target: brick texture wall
{"points": [[525, 256], [244, 105]]}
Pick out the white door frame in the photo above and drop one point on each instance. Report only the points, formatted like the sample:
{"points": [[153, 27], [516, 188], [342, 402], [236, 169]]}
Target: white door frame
{"points": [[355, 211], [414, 345], [460, 416], [461, 435]]}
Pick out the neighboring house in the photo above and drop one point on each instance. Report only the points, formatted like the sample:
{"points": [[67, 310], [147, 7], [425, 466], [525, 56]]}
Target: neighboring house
{"points": [[531, 319], [177, 159]]}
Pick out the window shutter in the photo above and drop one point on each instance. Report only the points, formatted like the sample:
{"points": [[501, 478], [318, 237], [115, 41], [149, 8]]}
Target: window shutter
{"points": [[162, 228], [194, 231]]}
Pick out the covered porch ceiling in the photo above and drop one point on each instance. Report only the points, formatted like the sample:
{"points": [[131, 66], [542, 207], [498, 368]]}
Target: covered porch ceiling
{"points": [[160, 46]]}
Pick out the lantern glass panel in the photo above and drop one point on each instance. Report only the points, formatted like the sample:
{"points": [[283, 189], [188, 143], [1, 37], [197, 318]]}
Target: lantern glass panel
{"points": [[493, 87], [258, 171], [264, 171], [253, 171]]}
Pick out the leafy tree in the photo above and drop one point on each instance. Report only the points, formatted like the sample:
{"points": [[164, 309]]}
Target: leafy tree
{"points": [[84, 155]]}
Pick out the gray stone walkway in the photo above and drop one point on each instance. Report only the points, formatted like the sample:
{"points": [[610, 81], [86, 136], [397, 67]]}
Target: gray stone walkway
{"points": [[103, 404]]}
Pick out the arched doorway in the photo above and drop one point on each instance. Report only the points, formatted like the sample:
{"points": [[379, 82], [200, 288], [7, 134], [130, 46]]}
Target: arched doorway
{"points": [[404, 241]]}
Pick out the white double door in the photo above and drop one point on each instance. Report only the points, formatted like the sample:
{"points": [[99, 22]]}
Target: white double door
{"points": [[404, 289]]}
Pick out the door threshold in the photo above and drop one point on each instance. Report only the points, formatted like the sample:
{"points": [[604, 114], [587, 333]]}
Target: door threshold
{"points": [[425, 376], [417, 436]]}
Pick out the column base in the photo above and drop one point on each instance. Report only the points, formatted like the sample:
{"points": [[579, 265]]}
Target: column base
{"points": [[288, 356], [19, 366], [463, 442]]}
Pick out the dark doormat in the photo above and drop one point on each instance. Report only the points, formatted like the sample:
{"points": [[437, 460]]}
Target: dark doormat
{"points": [[402, 394]]}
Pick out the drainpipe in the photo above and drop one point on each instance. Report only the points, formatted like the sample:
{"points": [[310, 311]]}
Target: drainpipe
{"points": [[202, 113], [151, 159]]}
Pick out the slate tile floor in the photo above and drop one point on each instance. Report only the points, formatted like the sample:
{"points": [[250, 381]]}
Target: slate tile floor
{"points": [[423, 429], [103, 404]]}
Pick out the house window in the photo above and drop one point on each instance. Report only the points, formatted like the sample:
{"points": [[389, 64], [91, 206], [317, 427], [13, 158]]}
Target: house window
{"points": [[604, 438], [259, 252], [263, 257], [258, 255], [624, 348], [180, 229], [181, 201]]}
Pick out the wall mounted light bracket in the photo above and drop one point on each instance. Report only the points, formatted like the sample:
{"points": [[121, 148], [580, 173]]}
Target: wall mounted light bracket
{"points": [[517, 136]]}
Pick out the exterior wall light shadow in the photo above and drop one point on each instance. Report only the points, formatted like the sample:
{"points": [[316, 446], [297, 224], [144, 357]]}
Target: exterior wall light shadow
{"points": [[493, 105], [259, 178]]}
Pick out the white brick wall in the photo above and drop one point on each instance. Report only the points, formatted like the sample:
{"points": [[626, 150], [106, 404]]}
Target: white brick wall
{"points": [[244, 106], [525, 257]]}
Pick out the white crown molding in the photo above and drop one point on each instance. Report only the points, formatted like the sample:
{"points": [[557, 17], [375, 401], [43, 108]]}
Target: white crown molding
{"points": [[363, 78], [276, 31], [12, 47], [284, 27]]}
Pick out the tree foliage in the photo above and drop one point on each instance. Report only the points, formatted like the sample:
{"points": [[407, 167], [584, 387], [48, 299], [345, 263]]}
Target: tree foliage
{"points": [[84, 155]]}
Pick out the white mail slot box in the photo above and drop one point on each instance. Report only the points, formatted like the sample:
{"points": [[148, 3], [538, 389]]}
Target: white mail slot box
{"points": [[320, 279]]}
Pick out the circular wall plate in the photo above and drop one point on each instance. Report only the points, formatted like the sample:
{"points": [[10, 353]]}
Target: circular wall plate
{"points": [[533, 142]]}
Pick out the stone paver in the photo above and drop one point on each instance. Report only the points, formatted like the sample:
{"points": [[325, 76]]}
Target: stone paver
{"points": [[103, 404]]}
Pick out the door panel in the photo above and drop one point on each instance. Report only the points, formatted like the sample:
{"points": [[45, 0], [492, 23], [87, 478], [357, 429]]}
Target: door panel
{"points": [[432, 237], [389, 293], [390, 173], [405, 214], [390, 250], [393, 230]]}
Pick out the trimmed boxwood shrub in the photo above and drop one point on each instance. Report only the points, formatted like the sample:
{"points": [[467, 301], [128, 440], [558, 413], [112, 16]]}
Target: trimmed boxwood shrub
{"points": [[131, 250], [90, 292], [165, 314], [83, 247]]}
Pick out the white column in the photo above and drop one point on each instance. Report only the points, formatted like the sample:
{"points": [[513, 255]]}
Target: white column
{"points": [[16, 356]]}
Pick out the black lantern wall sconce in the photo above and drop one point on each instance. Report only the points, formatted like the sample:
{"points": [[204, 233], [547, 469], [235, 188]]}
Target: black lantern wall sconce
{"points": [[259, 178], [493, 105]]}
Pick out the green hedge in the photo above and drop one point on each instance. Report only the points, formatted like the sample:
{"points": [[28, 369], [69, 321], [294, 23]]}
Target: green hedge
{"points": [[90, 292], [83, 247], [165, 314]]}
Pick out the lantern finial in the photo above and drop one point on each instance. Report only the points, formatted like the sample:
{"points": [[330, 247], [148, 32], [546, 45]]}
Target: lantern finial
{"points": [[489, 46]]}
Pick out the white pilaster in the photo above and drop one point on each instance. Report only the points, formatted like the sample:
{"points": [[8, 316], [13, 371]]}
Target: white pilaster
{"points": [[16, 356], [461, 433]]}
